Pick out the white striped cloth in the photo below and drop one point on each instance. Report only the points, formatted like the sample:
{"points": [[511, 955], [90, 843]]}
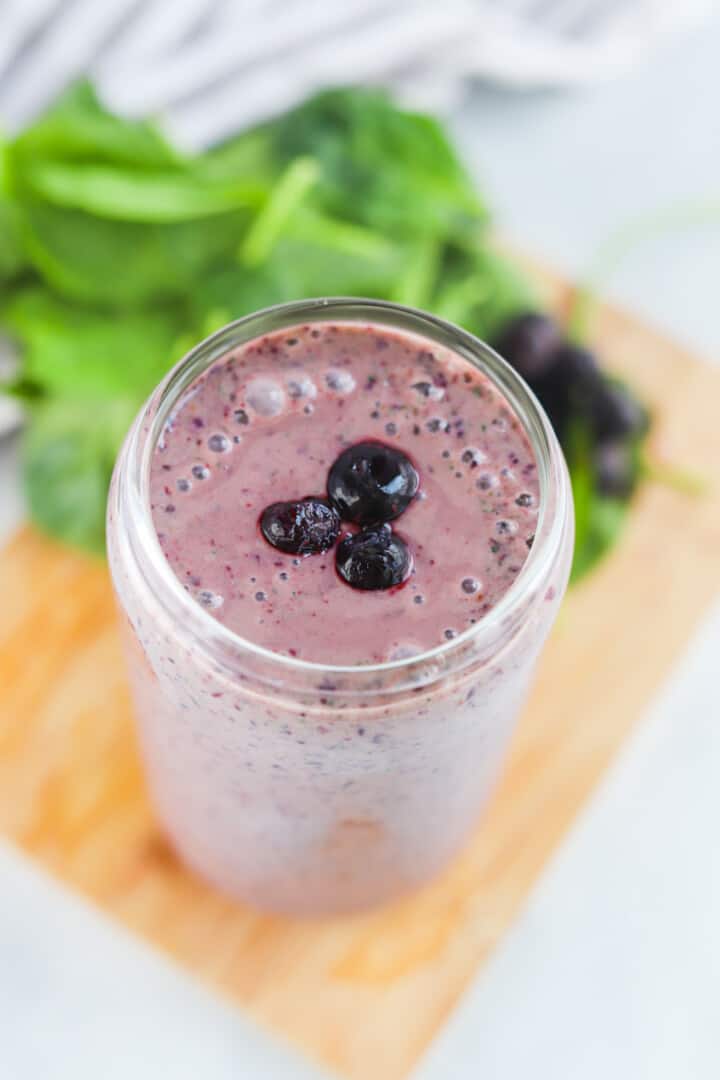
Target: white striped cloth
{"points": [[210, 67]]}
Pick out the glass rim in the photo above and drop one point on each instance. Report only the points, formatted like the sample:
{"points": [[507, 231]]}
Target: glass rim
{"points": [[141, 443]]}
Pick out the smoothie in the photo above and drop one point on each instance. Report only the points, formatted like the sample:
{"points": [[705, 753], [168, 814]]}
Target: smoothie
{"points": [[269, 421], [339, 534]]}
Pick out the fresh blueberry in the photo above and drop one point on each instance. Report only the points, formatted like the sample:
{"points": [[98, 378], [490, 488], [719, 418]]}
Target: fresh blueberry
{"points": [[529, 343], [615, 469], [371, 482], [555, 400], [569, 388], [305, 527], [577, 368], [616, 413], [373, 559]]}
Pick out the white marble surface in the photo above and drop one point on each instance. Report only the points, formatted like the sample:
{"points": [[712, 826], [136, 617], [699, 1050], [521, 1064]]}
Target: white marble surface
{"points": [[83, 1000], [613, 969]]}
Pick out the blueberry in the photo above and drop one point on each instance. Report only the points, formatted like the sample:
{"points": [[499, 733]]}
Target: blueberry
{"points": [[577, 366], [555, 400], [529, 343], [305, 527], [373, 559], [616, 413], [570, 386], [371, 482], [615, 470]]}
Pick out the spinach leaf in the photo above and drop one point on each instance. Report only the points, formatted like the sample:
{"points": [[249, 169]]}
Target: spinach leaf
{"points": [[12, 255], [313, 255], [380, 166], [77, 128], [128, 195], [122, 263], [68, 452], [479, 289], [75, 351], [598, 518]]}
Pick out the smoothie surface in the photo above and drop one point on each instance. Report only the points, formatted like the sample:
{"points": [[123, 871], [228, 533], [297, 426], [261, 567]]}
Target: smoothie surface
{"points": [[268, 421]]}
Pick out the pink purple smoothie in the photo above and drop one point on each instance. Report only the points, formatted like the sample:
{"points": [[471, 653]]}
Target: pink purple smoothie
{"points": [[267, 422], [301, 789]]}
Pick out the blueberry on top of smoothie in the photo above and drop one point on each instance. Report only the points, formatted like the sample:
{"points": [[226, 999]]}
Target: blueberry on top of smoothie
{"points": [[305, 527], [371, 482], [373, 559]]}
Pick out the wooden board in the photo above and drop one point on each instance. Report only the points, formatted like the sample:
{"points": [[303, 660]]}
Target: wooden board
{"points": [[363, 995]]}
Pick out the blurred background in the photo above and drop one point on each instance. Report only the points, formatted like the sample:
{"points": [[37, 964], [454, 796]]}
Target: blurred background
{"points": [[589, 133]]}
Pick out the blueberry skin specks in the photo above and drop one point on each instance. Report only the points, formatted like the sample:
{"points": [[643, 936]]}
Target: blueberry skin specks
{"points": [[307, 526], [371, 482], [373, 559]]}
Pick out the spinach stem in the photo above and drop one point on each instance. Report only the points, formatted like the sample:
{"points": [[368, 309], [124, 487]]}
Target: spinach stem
{"points": [[675, 477], [289, 192]]}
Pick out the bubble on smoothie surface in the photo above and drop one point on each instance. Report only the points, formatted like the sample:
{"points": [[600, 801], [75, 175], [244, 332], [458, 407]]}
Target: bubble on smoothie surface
{"points": [[265, 397], [473, 457], [219, 443], [209, 599], [200, 472], [487, 482], [470, 585], [301, 386], [505, 527], [183, 484], [340, 381]]}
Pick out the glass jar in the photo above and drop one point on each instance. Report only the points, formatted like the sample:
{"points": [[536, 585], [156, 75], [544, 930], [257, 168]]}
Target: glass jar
{"points": [[309, 788]]}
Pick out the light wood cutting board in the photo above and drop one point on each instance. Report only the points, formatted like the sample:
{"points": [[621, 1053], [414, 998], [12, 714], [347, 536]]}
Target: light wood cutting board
{"points": [[363, 995]]}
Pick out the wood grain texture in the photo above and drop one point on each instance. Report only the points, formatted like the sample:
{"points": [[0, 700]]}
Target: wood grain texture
{"points": [[365, 994]]}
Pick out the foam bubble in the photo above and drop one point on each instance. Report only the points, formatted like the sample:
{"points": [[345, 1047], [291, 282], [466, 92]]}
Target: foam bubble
{"points": [[265, 397], [487, 482], [219, 443], [340, 381], [473, 457], [301, 386], [209, 599]]}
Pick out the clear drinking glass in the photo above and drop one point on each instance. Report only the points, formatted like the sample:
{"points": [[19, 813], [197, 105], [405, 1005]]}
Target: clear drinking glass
{"points": [[310, 788]]}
